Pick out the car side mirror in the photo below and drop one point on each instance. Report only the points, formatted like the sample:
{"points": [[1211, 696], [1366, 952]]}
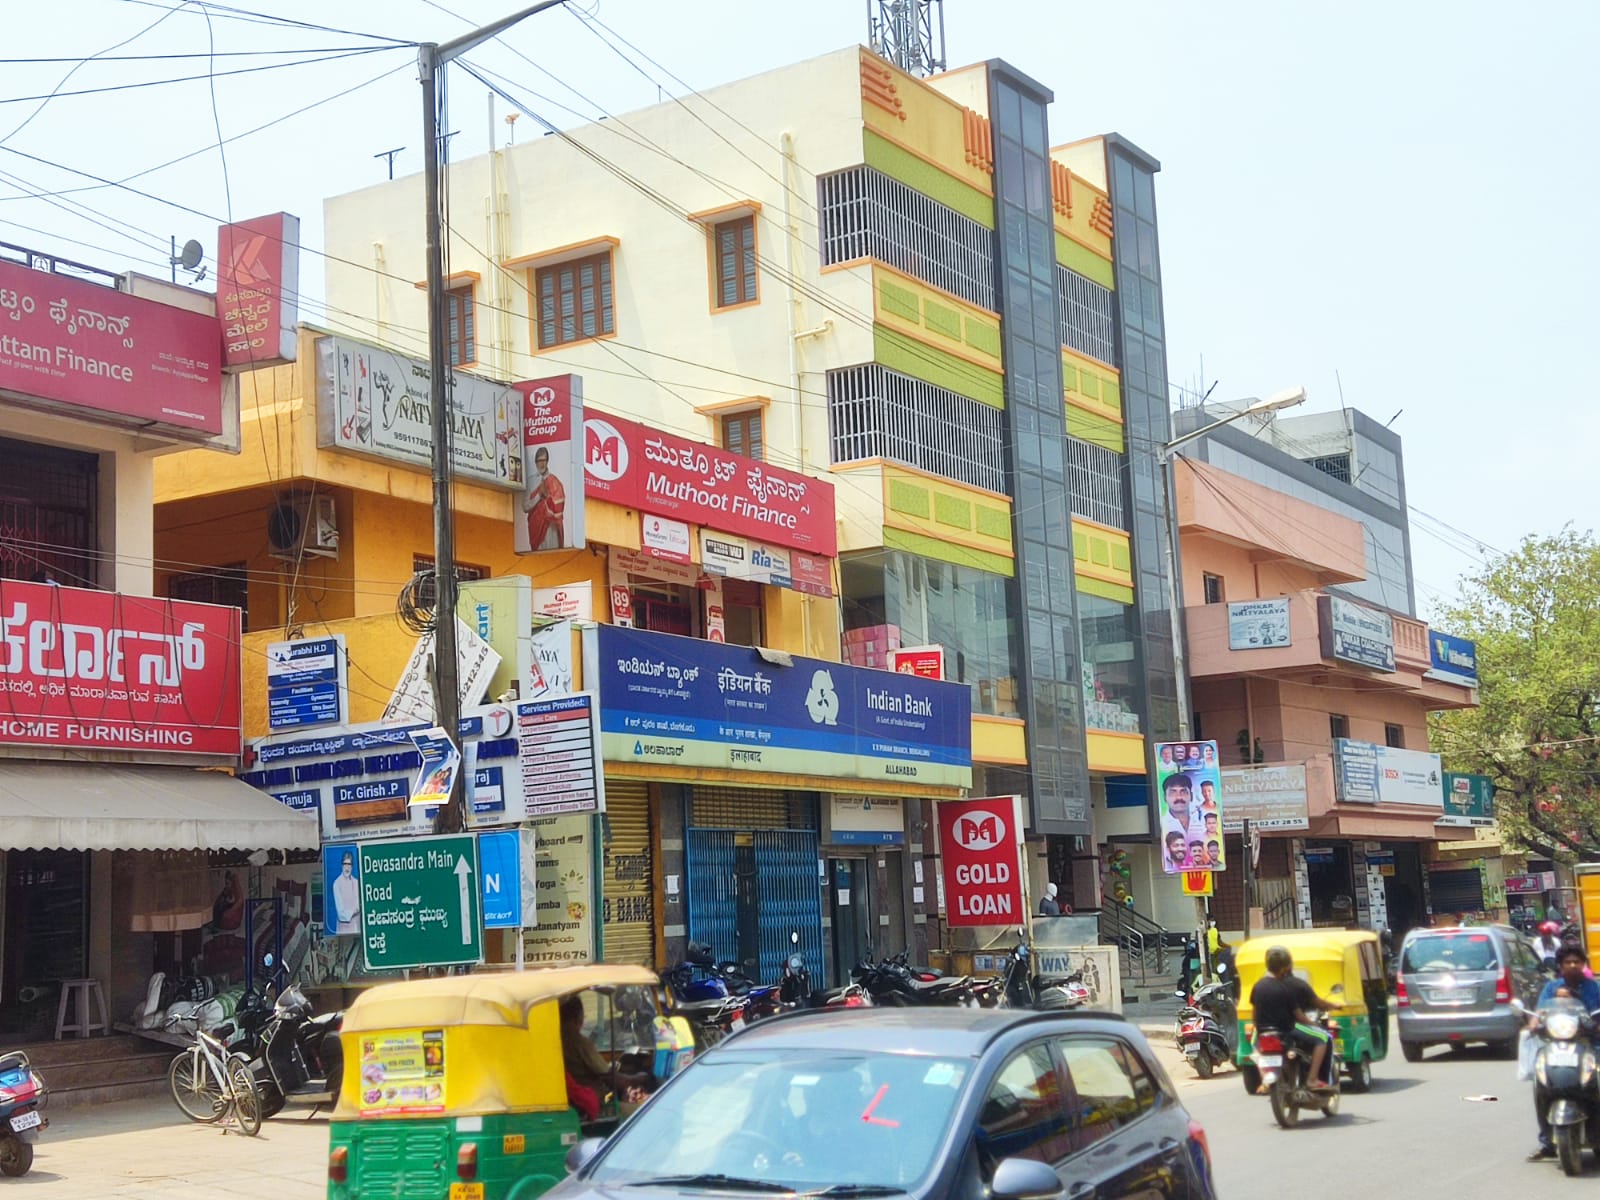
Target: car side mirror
{"points": [[1025, 1179], [581, 1155]]}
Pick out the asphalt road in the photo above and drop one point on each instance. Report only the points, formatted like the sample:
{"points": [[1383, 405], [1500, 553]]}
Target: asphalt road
{"points": [[1415, 1135]]}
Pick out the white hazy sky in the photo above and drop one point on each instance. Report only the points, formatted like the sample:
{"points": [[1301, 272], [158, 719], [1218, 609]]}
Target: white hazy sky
{"points": [[1395, 198]]}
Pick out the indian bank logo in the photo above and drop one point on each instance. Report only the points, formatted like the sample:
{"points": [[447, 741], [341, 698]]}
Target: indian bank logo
{"points": [[822, 701], [983, 831], [605, 451]]}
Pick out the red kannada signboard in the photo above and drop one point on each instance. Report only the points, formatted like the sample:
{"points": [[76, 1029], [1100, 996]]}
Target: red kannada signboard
{"points": [[980, 845], [640, 468], [258, 289], [116, 357], [87, 670], [925, 661]]}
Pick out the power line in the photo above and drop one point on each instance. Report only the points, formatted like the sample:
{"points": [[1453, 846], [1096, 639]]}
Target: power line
{"points": [[259, 18]]}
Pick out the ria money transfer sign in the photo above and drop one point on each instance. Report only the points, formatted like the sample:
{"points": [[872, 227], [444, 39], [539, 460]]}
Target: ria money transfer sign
{"points": [[980, 848], [419, 902]]}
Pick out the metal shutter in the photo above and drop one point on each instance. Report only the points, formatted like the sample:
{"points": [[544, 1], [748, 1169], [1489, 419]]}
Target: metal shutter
{"points": [[752, 808], [1456, 891], [628, 907]]}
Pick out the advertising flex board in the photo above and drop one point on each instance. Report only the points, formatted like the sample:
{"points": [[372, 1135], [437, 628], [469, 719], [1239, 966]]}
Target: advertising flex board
{"points": [[88, 670], [552, 438], [980, 848], [1468, 800], [104, 355], [377, 402], [1356, 634], [258, 290], [683, 702], [1452, 659], [1189, 807], [1270, 797], [1258, 624], [419, 902], [1366, 773], [306, 683], [653, 472]]}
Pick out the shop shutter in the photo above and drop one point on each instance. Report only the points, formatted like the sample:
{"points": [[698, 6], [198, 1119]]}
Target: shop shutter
{"points": [[628, 906], [752, 808], [1456, 891]]}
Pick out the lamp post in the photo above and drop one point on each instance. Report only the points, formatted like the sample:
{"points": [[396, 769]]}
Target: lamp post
{"points": [[431, 56]]}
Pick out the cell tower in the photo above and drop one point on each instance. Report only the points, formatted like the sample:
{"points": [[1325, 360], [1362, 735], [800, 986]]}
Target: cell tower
{"points": [[909, 33]]}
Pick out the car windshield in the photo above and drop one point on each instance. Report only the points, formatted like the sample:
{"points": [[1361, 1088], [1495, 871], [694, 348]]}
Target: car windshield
{"points": [[799, 1120], [1450, 952]]}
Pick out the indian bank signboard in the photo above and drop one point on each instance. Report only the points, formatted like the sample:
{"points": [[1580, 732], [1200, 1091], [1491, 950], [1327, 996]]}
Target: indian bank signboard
{"points": [[89, 670], [103, 355]]}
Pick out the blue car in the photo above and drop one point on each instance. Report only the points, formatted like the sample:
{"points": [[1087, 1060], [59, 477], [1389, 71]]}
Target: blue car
{"points": [[930, 1103]]}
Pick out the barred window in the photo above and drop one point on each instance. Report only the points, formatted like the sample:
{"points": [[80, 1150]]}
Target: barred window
{"points": [[874, 412], [1336, 465], [1087, 323], [865, 214], [1094, 475]]}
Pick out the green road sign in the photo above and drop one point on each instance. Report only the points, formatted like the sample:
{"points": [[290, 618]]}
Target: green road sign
{"points": [[420, 902]]}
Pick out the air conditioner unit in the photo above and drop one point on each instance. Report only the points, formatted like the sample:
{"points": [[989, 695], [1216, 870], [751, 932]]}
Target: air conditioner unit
{"points": [[303, 525]]}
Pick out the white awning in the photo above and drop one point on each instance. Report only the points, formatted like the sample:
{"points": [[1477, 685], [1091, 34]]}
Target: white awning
{"points": [[115, 806]]}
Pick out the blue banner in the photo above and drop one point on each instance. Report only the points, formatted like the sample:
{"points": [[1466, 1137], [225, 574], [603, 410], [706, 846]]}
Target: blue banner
{"points": [[500, 861], [685, 702], [1455, 660]]}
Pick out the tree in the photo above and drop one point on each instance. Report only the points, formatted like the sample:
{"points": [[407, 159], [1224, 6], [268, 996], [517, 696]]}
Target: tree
{"points": [[1535, 615]]}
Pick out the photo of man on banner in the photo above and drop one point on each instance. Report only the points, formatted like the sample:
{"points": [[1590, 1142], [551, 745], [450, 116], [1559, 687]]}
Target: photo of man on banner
{"points": [[1189, 807]]}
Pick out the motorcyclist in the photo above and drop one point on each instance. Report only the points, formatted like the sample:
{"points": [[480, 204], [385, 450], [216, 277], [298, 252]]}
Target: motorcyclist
{"points": [[1281, 1001], [1548, 944], [1574, 983]]}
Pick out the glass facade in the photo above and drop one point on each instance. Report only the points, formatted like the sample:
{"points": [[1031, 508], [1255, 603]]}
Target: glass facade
{"points": [[1051, 696], [1142, 332], [1113, 687]]}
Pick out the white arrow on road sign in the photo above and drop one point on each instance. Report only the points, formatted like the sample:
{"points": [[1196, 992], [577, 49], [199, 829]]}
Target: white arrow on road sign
{"points": [[463, 875]]}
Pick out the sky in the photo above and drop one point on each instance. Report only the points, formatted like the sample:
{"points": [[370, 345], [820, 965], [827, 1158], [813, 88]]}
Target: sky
{"points": [[1390, 204]]}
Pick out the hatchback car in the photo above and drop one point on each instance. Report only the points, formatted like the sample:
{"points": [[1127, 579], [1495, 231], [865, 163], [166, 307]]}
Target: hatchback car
{"points": [[1455, 986], [918, 1102]]}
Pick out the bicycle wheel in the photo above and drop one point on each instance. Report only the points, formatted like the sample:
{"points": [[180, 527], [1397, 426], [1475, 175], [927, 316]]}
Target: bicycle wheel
{"points": [[246, 1100], [195, 1090]]}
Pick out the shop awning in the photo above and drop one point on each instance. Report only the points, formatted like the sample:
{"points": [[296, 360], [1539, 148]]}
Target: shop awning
{"points": [[115, 806]]}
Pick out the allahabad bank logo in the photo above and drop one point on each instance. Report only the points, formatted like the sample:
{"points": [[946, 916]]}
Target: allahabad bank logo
{"points": [[822, 701], [979, 832]]}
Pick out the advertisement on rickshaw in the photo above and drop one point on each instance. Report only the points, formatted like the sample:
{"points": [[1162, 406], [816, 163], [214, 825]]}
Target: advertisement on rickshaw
{"points": [[402, 1072]]}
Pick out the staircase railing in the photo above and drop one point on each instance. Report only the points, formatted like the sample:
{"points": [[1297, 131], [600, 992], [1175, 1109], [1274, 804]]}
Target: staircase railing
{"points": [[1140, 941]]}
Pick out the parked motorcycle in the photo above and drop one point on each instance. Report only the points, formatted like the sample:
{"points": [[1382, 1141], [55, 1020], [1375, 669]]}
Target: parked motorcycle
{"points": [[893, 982], [1208, 1028], [301, 1060], [1565, 1072], [22, 1095], [1020, 986], [1285, 1072], [795, 990]]}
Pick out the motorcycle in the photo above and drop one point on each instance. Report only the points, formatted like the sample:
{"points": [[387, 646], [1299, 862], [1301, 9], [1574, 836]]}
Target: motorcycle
{"points": [[1285, 1071], [893, 983], [1208, 1028], [22, 1094], [1020, 987], [1565, 1072], [795, 991], [301, 1060]]}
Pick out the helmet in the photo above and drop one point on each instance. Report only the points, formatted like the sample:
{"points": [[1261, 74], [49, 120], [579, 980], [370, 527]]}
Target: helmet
{"points": [[1549, 928]]}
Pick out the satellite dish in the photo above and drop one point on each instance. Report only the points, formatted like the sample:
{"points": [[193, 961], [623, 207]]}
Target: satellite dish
{"points": [[193, 252]]}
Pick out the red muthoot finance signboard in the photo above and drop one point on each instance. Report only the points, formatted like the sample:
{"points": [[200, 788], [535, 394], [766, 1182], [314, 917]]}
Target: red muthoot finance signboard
{"points": [[980, 847], [88, 670]]}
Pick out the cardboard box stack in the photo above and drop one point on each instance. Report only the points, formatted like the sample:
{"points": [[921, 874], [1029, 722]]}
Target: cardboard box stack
{"points": [[870, 646]]}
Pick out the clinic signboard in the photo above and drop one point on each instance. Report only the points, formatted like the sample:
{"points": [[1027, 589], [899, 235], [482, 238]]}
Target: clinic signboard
{"points": [[1365, 773], [306, 683], [1356, 634], [682, 702]]}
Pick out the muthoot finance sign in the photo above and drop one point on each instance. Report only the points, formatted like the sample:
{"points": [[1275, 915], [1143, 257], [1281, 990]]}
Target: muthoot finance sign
{"points": [[980, 846]]}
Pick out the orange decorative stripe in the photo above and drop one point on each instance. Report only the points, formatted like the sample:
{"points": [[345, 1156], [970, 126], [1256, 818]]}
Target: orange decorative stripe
{"points": [[1100, 218], [878, 87], [979, 140], [1061, 188]]}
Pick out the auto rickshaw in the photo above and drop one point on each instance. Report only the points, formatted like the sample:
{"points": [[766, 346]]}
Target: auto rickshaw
{"points": [[1345, 966], [457, 1087]]}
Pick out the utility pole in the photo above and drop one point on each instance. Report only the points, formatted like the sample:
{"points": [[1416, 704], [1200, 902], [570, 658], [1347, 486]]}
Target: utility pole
{"points": [[431, 56]]}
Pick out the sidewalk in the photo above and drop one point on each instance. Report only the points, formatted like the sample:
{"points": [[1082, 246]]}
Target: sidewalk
{"points": [[1155, 1018], [145, 1149]]}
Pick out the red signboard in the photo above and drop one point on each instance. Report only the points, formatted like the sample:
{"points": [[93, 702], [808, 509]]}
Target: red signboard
{"points": [[926, 661], [87, 670], [980, 843], [811, 574], [641, 468], [114, 357], [258, 285]]}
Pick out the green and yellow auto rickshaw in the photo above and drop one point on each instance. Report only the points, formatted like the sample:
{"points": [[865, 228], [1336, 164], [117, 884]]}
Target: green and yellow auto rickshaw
{"points": [[1345, 966], [458, 1087]]}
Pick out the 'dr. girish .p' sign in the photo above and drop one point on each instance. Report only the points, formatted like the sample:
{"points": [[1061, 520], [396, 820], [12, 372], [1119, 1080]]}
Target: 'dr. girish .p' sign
{"points": [[980, 845]]}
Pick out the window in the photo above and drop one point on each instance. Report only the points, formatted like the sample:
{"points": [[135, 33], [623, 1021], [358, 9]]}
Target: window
{"points": [[1112, 682], [733, 260], [877, 413], [1023, 1116], [1110, 1087], [1214, 591], [575, 301], [1088, 323], [1095, 476], [49, 505], [1394, 736], [1336, 465], [741, 612], [460, 314], [1339, 725], [465, 572], [228, 585], [741, 433]]}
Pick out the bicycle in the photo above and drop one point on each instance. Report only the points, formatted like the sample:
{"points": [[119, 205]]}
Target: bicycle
{"points": [[209, 1084]]}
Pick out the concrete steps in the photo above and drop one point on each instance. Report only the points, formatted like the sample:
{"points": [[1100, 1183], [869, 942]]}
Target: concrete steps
{"points": [[98, 1070]]}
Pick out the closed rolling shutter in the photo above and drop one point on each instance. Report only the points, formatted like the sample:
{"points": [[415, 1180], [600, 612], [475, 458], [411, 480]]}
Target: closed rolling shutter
{"points": [[628, 907], [1456, 891], [753, 808]]}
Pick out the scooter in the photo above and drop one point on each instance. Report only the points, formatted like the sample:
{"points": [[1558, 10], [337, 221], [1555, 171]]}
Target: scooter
{"points": [[1208, 1028], [795, 991], [22, 1094], [1285, 1072], [1021, 987], [1565, 1072], [301, 1060]]}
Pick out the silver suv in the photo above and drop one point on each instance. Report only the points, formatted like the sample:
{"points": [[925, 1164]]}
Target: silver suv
{"points": [[1455, 986]]}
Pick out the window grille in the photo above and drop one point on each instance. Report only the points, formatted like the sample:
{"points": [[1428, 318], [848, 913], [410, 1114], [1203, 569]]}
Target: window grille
{"points": [[877, 413], [1094, 475], [1087, 322]]}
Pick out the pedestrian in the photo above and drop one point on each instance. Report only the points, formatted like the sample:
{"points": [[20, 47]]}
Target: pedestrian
{"points": [[1049, 906]]}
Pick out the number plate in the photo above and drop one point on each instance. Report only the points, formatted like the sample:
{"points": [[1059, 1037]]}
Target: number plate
{"points": [[28, 1120], [513, 1143], [737, 1023], [1451, 995], [1269, 1061], [466, 1191], [1562, 1055]]}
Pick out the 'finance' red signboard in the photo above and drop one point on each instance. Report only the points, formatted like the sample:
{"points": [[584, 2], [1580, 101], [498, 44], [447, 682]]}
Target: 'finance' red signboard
{"points": [[980, 844], [87, 670], [109, 355], [645, 469]]}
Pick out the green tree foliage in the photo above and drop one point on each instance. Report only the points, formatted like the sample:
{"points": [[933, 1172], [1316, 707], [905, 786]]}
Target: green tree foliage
{"points": [[1535, 615]]}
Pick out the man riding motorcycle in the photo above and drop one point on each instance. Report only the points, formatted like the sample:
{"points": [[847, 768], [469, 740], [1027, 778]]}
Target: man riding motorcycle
{"points": [[1576, 983], [1281, 1001]]}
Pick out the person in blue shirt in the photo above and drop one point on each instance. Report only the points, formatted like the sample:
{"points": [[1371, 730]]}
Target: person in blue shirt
{"points": [[1573, 982]]}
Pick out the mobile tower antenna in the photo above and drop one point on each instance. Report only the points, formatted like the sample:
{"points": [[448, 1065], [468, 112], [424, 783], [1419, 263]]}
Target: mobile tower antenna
{"points": [[909, 33]]}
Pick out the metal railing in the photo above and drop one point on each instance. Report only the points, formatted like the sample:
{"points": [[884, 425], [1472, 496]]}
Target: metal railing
{"points": [[1282, 913], [1140, 942]]}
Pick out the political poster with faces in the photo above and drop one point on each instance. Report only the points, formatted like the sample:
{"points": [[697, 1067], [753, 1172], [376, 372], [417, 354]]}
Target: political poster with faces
{"points": [[1189, 807]]}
